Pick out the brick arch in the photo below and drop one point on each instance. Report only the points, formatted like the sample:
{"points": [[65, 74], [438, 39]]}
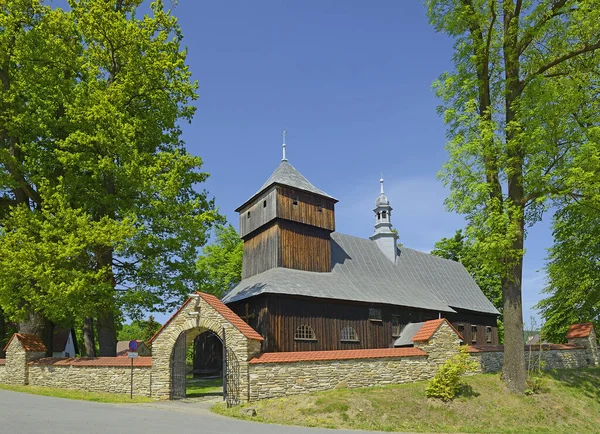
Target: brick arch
{"points": [[202, 312]]}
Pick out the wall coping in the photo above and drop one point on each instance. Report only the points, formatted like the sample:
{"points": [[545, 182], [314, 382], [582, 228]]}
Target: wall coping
{"points": [[429, 328], [313, 356], [28, 342], [535, 347], [93, 361]]}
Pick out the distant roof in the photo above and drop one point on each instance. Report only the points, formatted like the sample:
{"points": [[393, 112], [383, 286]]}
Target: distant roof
{"points": [[287, 175], [580, 330], [362, 272], [59, 340], [406, 336]]}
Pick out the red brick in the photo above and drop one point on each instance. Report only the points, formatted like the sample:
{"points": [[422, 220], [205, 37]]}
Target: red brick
{"points": [[306, 356]]}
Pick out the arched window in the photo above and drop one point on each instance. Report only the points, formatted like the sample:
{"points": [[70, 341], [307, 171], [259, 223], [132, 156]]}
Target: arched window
{"points": [[305, 333], [383, 213], [348, 335], [378, 216]]}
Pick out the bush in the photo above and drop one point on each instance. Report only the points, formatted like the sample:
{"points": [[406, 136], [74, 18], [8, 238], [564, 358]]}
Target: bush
{"points": [[446, 383]]}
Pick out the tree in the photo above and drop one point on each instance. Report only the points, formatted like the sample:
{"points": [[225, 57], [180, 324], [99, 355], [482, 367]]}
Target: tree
{"points": [[91, 107], [461, 249], [522, 112], [573, 270], [139, 330], [220, 265]]}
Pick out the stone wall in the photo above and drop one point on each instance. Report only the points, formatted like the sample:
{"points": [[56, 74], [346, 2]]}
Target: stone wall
{"points": [[552, 356], [2, 370], [112, 379], [591, 344]]}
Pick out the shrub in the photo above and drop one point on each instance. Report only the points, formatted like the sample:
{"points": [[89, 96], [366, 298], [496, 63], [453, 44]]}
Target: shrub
{"points": [[447, 380]]}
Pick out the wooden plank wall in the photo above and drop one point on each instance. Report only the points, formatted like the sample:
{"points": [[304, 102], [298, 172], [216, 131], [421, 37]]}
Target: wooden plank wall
{"points": [[277, 317], [311, 209], [304, 247], [261, 251], [258, 213]]}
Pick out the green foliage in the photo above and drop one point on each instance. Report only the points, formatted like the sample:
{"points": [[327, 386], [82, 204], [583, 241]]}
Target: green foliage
{"points": [[447, 381], [522, 113], [220, 265], [573, 270], [139, 330], [96, 187]]}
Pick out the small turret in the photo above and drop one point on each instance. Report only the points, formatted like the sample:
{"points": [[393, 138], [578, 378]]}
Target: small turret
{"points": [[384, 236]]}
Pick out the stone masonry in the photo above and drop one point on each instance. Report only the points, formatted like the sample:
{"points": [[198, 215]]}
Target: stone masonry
{"points": [[21, 350], [585, 335], [198, 314]]}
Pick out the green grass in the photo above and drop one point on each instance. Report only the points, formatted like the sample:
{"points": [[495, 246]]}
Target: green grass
{"points": [[570, 403], [203, 387], [76, 394]]}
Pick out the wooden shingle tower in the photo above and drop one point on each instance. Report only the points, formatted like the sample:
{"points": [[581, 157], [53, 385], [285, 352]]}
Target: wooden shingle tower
{"points": [[287, 223]]}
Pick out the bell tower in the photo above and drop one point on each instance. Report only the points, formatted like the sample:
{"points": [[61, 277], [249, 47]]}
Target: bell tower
{"points": [[287, 223], [384, 236]]}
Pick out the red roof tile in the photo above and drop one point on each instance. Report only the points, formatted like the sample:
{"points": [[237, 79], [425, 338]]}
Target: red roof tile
{"points": [[580, 330], [28, 342], [430, 327], [227, 313], [301, 356], [2, 362], [230, 316], [499, 348], [93, 361]]}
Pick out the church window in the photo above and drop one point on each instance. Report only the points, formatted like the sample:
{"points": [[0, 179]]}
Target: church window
{"points": [[396, 326], [461, 329], [264, 203], [320, 208], [473, 333], [383, 213], [349, 335], [488, 334], [248, 215], [374, 314], [305, 333], [378, 216], [295, 201]]}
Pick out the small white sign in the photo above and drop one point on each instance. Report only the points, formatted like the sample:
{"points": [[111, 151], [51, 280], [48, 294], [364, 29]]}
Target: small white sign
{"points": [[132, 355]]}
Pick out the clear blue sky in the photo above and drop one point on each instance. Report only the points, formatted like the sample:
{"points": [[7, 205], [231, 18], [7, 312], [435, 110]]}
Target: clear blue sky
{"points": [[351, 83]]}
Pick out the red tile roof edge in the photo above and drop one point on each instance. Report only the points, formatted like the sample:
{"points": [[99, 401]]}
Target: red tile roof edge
{"points": [[535, 347], [28, 342], [93, 361], [317, 356], [430, 327], [582, 330], [2, 362], [231, 316], [170, 319]]}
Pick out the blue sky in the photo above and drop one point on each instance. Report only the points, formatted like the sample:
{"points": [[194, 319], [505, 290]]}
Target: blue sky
{"points": [[351, 83]]}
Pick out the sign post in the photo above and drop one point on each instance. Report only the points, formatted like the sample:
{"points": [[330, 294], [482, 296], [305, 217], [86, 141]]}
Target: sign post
{"points": [[133, 345]]}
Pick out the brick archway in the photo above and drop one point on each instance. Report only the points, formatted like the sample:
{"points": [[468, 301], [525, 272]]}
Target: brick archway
{"points": [[202, 312]]}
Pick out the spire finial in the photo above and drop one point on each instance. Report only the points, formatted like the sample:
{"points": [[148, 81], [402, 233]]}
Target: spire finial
{"points": [[381, 182], [283, 146]]}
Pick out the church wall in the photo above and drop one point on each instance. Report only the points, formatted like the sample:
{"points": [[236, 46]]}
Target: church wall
{"points": [[309, 209], [261, 252], [277, 317], [258, 213], [304, 247]]}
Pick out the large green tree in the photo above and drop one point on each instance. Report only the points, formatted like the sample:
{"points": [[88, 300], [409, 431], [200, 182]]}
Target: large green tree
{"points": [[91, 108], [573, 271], [521, 106], [220, 265]]}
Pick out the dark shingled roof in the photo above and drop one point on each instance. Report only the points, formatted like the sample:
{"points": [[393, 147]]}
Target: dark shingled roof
{"points": [[287, 175], [361, 272]]}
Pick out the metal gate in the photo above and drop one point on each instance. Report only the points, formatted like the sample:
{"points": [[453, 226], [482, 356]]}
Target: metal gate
{"points": [[178, 368], [231, 375]]}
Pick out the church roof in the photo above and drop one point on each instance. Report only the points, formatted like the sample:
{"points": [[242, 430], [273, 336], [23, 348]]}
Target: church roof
{"points": [[288, 175], [361, 272]]}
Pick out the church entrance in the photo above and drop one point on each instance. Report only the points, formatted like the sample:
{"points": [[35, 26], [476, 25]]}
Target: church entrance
{"points": [[203, 366]]}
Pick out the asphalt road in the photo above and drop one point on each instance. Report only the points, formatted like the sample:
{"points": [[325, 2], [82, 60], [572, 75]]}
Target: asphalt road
{"points": [[22, 413]]}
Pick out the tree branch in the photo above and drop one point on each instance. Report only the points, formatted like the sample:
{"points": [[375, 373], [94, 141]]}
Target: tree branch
{"points": [[532, 31]]}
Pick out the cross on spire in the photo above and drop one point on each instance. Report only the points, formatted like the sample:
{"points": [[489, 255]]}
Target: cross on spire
{"points": [[284, 132]]}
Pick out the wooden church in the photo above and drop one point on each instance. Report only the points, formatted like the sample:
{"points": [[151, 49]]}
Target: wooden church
{"points": [[306, 287]]}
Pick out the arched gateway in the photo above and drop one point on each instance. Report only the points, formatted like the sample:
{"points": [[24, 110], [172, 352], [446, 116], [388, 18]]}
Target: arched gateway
{"points": [[202, 312]]}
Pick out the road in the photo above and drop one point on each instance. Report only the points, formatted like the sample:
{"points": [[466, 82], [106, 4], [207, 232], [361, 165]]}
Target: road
{"points": [[22, 413]]}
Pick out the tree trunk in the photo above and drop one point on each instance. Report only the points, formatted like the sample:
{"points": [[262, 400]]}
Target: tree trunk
{"points": [[3, 337], [107, 334], [89, 342], [37, 324]]}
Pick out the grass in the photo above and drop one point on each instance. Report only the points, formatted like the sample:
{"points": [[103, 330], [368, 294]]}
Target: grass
{"points": [[76, 394], [203, 386], [570, 403]]}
